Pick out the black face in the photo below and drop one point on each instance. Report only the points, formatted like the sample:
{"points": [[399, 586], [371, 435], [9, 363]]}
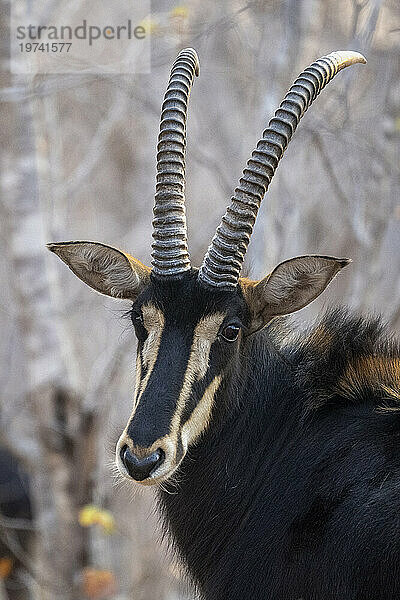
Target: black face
{"points": [[188, 338]]}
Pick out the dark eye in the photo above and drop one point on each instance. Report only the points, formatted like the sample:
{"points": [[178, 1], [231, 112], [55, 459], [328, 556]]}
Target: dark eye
{"points": [[230, 333], [137, 320]]}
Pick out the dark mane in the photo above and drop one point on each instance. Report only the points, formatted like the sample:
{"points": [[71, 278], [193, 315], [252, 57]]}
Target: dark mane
{"points": [[347, 358]]}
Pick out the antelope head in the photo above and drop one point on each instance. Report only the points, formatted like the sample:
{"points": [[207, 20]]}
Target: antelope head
{"points": [[190, 323]]}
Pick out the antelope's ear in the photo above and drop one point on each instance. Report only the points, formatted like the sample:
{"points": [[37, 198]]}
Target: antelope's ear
{"points": [[292, 285], [105, 269]]}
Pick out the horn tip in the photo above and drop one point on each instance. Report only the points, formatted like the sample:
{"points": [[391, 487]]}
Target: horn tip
{"points": [[356, 57], [348, 57]]}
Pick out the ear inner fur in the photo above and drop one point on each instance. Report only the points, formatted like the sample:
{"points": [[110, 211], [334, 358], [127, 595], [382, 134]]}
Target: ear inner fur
{"points": [[104, 268], [292, 285]]}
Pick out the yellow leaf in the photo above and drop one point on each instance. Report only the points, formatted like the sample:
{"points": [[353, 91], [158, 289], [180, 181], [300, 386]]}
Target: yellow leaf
{"points": [[106, 520], [6, 565], [88, 515], [181, 12], [93, 515], [151, 27]]}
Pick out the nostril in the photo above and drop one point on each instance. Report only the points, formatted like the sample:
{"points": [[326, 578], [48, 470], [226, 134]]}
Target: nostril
{"points": [[122, 452], [161, 456], [140, 468]]}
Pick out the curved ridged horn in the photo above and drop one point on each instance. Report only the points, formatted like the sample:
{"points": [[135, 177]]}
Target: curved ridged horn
{"points": [[170, 253], [224, 258]]}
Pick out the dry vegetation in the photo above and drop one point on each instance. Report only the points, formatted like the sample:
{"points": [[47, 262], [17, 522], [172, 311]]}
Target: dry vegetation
{"points": [[78, 162]]}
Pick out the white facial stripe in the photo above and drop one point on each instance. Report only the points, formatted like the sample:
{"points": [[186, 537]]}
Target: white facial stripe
{"points": [[137, 382], [200, 417], [201, 350], [205, 334], [153, 321]]}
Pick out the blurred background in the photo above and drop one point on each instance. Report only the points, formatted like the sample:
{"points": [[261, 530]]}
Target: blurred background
{"points": [[78, 162]]}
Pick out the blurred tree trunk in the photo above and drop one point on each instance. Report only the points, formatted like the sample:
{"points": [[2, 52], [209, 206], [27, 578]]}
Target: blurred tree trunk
{"points": [[265, 247], [61, 465]]}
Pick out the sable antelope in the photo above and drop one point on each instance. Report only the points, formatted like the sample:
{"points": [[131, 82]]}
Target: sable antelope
{"points": [[278, 454]]}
